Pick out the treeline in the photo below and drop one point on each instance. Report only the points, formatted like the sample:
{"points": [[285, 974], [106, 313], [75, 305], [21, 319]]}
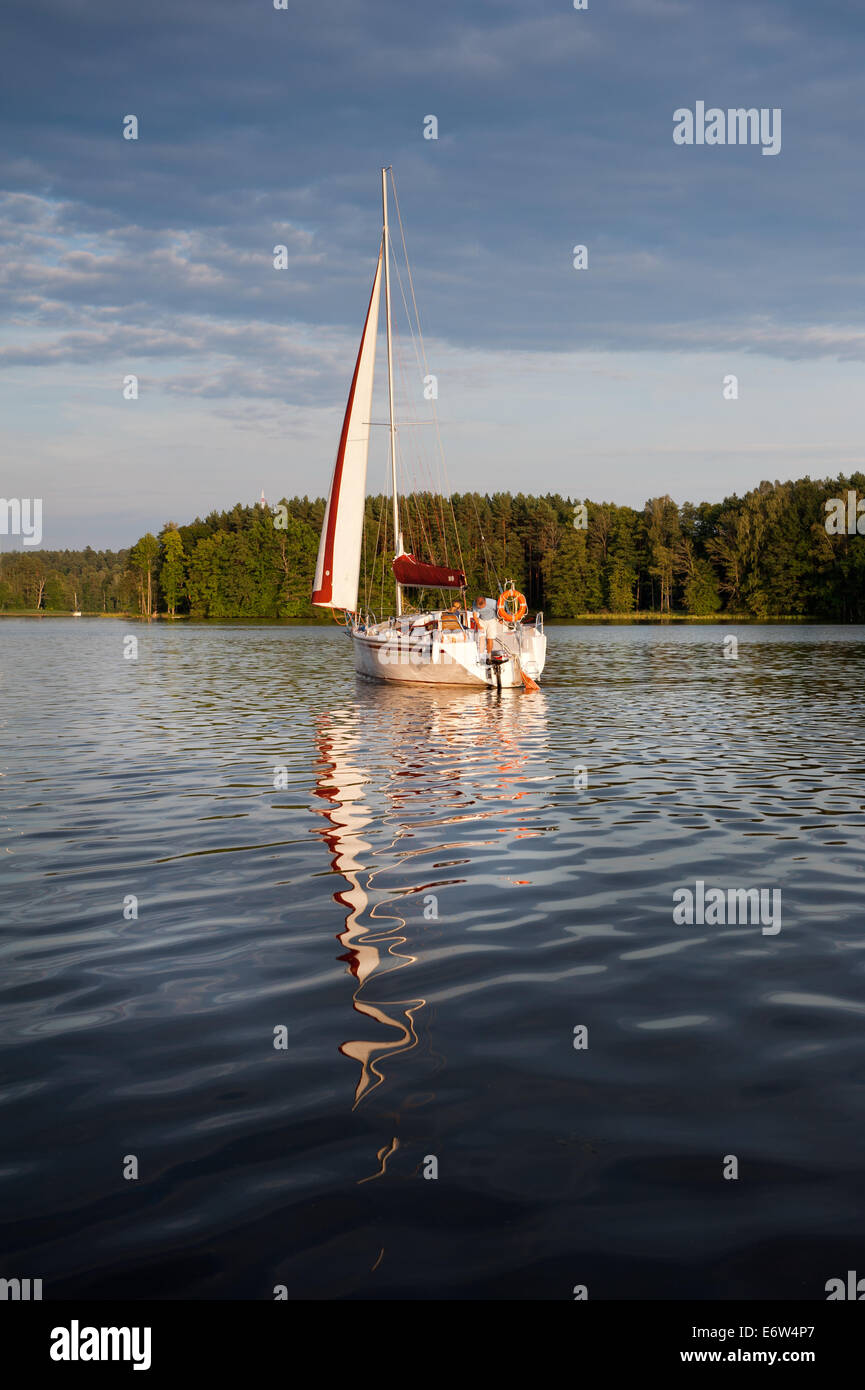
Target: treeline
{"points": [[766, 554], [52, 580]]}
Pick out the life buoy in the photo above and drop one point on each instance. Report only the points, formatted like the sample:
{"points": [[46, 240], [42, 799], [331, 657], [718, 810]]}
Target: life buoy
{"points": [[504, 612]]}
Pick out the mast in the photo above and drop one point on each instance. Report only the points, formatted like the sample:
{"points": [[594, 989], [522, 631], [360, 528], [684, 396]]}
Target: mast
{"points": [[396, 531]]}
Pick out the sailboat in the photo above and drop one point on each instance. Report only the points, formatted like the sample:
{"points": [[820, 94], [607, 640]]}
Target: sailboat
{"points": [[488, 644], [76, 612]]}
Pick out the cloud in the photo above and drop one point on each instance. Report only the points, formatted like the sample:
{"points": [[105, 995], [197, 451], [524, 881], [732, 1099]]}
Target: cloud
{"points": [[261, 128]]}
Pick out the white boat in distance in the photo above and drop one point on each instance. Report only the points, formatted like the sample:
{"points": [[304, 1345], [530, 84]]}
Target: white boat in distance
{"points": [[489, 645]]}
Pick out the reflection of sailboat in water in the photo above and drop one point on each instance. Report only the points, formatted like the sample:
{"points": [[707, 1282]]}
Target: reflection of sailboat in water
{"points": [[421, 778], [367, 937]]}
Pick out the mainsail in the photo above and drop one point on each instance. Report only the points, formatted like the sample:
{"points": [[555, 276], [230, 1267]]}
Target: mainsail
{"points": [[338, 568], [407, 570]]}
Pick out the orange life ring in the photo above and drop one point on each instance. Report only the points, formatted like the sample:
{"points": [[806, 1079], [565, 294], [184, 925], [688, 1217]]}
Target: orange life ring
{"points": [[522, 607]]}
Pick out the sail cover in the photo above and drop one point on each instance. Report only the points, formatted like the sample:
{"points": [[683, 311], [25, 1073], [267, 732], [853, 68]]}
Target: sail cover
{"points": [[338, 567], [408, 570]]}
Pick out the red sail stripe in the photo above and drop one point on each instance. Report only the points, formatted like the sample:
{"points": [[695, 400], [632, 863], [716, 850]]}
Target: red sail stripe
{"points": [[408, 570], [324, 595]]}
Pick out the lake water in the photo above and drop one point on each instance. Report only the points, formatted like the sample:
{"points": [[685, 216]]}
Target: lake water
{"points": [[428, 904]]}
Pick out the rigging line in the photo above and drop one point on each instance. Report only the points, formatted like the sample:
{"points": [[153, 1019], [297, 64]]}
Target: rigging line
{"points": [[386, 498], [487, 561], [423, 462], [423, 352], [445, 482], [418, 499], [383, 514], [403, 471], [369, 590], [363, 550], [423, 501], [436, 486], [417, 529]]}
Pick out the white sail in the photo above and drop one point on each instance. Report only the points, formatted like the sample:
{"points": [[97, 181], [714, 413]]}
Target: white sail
{"points": [[338, 568]]}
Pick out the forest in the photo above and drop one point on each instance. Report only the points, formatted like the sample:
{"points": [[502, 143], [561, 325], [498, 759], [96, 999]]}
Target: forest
{"points": [[765, 554]]}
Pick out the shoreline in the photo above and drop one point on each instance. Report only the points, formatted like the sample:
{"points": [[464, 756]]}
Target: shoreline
{"points": [[718, 619]]}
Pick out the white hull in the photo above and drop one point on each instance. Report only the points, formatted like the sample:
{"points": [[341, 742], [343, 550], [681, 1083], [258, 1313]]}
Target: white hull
{"points": [[400, 651]]}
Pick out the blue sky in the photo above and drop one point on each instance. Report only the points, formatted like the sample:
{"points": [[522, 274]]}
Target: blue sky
{"points": [[260, 127]]}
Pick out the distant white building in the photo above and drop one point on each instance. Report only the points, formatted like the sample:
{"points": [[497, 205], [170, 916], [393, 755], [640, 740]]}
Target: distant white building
{"points": [[263, 501]]}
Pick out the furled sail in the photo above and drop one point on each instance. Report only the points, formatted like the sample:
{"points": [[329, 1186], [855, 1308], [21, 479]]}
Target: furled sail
{"points": [[408, 570], [338, 567]]}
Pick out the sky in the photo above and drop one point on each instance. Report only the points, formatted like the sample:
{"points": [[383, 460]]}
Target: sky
{"points": [[261, 127]]}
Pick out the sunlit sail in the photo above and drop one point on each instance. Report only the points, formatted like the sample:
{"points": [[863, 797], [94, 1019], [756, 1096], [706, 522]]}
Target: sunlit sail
{"points": [[338, 568]]}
